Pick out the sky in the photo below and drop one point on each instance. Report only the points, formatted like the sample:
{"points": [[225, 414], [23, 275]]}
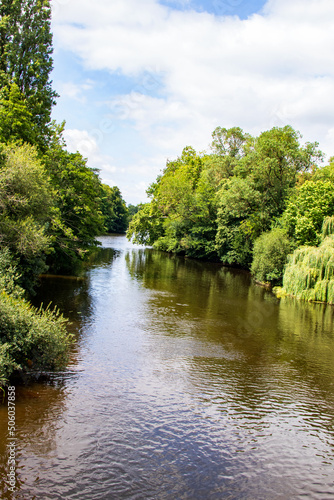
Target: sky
{"points": [[139, 80]]}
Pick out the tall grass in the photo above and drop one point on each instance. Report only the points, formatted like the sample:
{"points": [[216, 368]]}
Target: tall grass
{"points": [[309, 273]]}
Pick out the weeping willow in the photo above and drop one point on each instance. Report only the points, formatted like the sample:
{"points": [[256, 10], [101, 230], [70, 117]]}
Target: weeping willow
{"points": [[309, 273]]}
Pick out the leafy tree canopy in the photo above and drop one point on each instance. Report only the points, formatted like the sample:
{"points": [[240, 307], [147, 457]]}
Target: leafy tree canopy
{"points": [[26, 57], [306, 210], [26, 201], [216, 205], [114, 210], [77, 218]]}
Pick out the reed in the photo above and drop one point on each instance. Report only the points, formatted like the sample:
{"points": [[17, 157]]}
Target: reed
{"points": [[309, 272]]}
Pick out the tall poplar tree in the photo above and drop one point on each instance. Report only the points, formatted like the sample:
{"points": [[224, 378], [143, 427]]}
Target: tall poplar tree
{"points": [[26, 57]]}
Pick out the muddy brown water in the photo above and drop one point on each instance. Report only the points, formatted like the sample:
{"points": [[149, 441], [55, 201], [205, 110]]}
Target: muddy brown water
{"points": [[187, 381]]}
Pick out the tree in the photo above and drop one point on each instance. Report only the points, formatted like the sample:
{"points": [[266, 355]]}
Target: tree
{"points": [[239, 219], [228, 146], [77, 217], [276, 161], [25, 209], [182, 210], [229, 142], [16, 121], [31, 339], [306, 209], [114, 210], [26, 57], [251, 200], [132, 210], [325, 173], [217, 205], [146, 226]]}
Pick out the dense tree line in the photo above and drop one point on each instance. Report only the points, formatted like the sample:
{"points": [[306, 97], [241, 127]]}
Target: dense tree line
{"points": [[52, 204], [251, 202]]}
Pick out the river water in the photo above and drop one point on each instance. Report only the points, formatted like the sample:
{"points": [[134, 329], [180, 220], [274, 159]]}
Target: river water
{"points": [[187, 381]]}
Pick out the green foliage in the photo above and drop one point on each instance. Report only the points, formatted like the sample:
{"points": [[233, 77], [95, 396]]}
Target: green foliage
{"points": [[215, 206], [77, 218], [327, 227], [306, 210], [114, 210], [309, 274], [181, 217], [228, 146], [26, 57], [229, 142], [30, 339], [146, 225], [132, 210], [16, 122], [25, 209], [51, 202], [238, 225], [256, 194], [325, 173], [277, 159], [269, 256], [24, 185], [9, 276]]}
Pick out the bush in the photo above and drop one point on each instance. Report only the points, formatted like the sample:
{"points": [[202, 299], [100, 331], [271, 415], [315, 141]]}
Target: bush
{"points": [[9, 276], [269, 256], [30, 339]]}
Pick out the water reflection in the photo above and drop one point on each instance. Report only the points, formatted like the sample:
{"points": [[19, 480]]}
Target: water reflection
{"points": [[213, 302], [264, 365], [188, 382]]}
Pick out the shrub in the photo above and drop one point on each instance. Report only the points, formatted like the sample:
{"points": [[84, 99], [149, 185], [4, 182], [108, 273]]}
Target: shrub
{"points": [[269, 256], [30, 338], [9, 276]]}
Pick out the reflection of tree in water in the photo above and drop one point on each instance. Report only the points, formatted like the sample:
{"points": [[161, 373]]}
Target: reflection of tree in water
{"points": [[39, 413], [264, 336], [200, 284], [248, 312], [70, 295], [103, 257]]}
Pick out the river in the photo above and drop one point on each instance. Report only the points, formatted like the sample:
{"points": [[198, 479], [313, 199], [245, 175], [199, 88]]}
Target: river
{"points": [[187, 381]]}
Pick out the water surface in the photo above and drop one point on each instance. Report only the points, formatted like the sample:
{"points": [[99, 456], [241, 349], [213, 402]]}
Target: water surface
{"points": [[187, 382]]}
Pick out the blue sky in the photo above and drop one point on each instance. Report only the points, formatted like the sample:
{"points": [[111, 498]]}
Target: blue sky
{"points": [[139, 81], [240, 8]]}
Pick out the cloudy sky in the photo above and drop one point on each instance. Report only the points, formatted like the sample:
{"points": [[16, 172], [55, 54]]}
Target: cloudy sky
{"points": [[141, 79]]}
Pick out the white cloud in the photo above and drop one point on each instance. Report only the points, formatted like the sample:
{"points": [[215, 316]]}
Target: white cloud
{"points": [[205, 70], [87, 145], [75, 91], [132, 180], [82, 141]]}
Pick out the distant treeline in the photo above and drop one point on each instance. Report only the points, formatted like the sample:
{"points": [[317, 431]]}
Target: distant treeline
{"points": [[261, 203], [52, 204]]}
